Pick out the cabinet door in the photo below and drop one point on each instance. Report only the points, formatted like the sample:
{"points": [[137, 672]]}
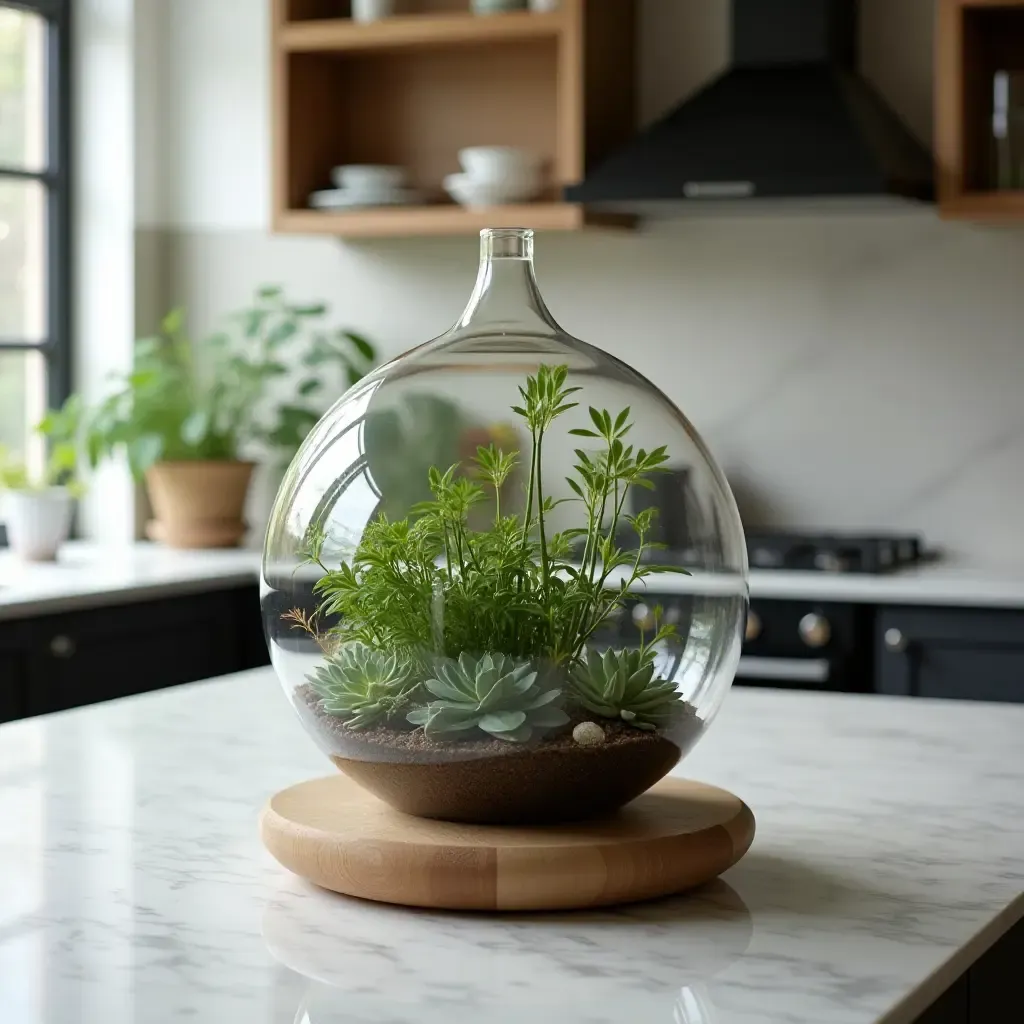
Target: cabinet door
{"points": [[95, 655], [13, 684], [967, 654], [15, 657]]}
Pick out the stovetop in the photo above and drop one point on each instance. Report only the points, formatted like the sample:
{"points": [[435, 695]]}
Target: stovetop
{"points": [[832, 552]]}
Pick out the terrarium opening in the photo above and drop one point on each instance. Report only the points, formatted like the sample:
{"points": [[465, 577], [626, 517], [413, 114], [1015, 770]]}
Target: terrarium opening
{"points": [[506, 294], [506, 244]]}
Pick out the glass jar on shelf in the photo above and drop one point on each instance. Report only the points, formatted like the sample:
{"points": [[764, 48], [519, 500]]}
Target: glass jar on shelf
{"points": [[1008, 131]]}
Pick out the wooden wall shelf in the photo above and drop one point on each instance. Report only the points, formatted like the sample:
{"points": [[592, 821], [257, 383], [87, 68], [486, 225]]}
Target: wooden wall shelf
{"points": [[974, 39], [446, 219], [414, 89], [986, 207], [456, 29]]}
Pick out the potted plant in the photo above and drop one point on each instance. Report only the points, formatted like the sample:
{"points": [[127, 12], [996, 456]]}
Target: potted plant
{"points": [[460, 676], [188, 416], [37, 513]]}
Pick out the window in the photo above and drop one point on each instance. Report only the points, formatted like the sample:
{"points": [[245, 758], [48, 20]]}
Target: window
{"points": [[35, 256]]}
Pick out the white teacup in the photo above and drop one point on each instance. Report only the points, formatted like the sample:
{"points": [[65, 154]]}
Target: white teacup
{"points": [[499, 163]]}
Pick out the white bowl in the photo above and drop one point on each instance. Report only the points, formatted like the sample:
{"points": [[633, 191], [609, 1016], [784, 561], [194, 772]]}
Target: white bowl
{"points": [[372, 10], [368, 177], [522, 181], [468, 191], [497, 163]]}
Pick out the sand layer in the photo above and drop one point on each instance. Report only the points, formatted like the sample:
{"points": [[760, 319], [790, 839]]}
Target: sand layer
{"points": [[490, 781]]}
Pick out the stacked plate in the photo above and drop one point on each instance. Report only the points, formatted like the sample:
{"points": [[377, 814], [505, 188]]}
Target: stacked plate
{"points": [[493, 175], [358, 186]]}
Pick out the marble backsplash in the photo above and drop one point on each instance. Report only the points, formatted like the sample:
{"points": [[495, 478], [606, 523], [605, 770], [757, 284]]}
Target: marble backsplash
{"points": [[857, 370]]}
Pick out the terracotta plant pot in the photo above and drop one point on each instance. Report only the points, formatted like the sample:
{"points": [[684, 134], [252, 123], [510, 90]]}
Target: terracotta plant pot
{"points": [[198, 504]]}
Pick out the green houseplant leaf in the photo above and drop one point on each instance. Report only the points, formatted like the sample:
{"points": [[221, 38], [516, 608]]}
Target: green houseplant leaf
{"points": [[213, 400]]}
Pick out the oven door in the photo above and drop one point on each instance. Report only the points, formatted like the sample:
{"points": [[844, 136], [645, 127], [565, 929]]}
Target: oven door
{"points": [[807, 645]]}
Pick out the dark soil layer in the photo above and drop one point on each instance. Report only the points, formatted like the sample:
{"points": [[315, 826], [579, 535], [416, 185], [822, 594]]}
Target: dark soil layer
{"points": [[489, 781]]}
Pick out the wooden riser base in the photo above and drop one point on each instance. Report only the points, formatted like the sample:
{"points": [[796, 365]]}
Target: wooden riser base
{"points": [[677, 835]]}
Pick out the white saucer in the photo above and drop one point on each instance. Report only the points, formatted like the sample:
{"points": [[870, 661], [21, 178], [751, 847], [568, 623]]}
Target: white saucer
{"points": [[351, 199]]}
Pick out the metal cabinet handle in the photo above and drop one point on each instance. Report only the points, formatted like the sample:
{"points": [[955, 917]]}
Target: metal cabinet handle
{"points": [[793, 670], [62, 646], [895, 641]]}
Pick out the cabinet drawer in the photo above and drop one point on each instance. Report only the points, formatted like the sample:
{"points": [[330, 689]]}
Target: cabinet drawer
{"points": [[100, 654], [965, 654]]}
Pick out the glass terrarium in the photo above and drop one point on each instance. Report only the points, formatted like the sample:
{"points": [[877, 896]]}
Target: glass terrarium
{"points": [[459, 566]]}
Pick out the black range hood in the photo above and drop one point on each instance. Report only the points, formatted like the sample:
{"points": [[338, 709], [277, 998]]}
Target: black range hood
{"points": [[790, 118]]}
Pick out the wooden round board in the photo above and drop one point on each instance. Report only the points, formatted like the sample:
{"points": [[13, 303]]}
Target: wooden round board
{"points": [[677, 835]]}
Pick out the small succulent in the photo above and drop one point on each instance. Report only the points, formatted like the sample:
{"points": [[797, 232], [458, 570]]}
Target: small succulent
{"points": [[363, 685], [491, 693], [621, 684]]}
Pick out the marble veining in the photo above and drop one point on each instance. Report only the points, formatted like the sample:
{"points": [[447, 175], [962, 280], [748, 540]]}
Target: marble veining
{"points": [[133, 889]]}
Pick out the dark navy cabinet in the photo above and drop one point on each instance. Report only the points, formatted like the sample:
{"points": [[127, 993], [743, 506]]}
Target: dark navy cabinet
{"points": [[963, 653], [53, 662]]}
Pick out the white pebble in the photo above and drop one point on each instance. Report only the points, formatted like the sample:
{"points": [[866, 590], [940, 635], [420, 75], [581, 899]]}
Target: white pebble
{"points": [[588, 734]]}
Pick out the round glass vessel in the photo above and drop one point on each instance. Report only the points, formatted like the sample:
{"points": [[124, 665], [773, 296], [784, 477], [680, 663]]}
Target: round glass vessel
{"points": [[458, 573]]}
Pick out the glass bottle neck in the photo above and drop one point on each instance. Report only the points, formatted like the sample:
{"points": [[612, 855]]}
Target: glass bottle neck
{"points": [[506, 294]]}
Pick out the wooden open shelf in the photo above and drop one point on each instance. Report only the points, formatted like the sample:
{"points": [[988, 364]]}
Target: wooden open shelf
{"points": [[447, 219], [455, 29], [414, 89], [986, 207], [974, 39]]}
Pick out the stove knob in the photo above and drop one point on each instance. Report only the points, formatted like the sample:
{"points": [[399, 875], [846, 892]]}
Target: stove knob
{"points": [[643, 616], [754, 626], [815, 630], [895, 641]]}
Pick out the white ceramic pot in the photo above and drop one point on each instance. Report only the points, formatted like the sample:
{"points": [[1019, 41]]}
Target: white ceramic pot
{"points": [[544, 6], [372, 10], [37, 522]]}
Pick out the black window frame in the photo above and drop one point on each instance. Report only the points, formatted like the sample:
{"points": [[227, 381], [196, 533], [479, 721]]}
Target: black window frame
{"points": [[55, 177]]}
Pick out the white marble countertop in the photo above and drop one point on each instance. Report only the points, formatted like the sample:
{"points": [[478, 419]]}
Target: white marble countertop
{"points": [[88, 575], [939, 583], [134, 890]]}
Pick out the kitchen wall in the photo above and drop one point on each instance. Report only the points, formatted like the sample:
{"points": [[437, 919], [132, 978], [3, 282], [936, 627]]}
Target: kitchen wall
{"points": [[858, 370]]}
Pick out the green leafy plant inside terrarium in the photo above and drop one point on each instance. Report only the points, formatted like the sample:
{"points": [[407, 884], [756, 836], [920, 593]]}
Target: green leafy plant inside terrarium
{"points": [[470, 633]]}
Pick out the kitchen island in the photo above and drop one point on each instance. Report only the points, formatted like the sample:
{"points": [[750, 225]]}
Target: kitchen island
{"points": [[889, 859]]}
